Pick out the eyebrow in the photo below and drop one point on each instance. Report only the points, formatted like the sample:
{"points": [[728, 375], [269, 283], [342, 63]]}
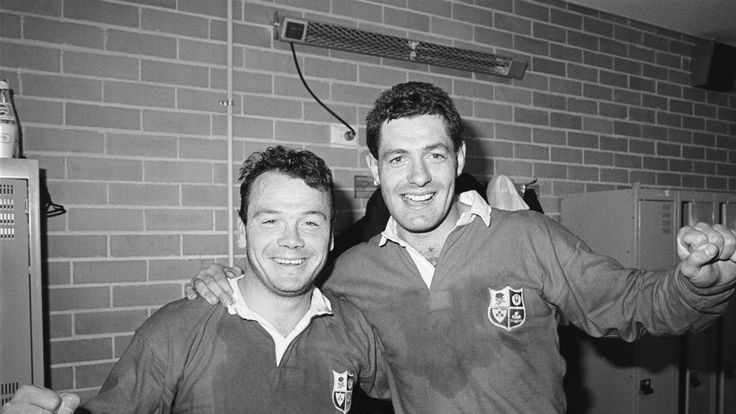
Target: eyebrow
{"points": [[427, 148], [276, 212]]}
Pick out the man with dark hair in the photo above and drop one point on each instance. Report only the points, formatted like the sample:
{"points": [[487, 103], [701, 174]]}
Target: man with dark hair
{"points": [[282, 347], [467, 299]]}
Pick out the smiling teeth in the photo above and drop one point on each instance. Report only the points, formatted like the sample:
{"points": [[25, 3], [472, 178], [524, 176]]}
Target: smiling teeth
{"points": [[413, 197], [289, 261]]}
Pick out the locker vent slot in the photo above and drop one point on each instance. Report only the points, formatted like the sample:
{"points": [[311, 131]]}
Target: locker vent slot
{"points": [[7, 212], [6, 392]]}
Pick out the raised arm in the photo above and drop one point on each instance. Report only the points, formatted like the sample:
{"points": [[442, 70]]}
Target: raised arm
{"points": [[211, 283]]}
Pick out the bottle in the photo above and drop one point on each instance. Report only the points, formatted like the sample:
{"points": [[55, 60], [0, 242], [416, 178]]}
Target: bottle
{"points": [[8, 124]]}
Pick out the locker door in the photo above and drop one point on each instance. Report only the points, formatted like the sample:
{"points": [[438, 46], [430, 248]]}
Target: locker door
{"points": [[701, 349], [15, 305], [657, 370]]}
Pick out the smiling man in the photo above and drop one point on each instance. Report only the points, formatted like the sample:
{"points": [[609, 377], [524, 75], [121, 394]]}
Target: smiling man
{"points": [[467, 299], [282, 347]]}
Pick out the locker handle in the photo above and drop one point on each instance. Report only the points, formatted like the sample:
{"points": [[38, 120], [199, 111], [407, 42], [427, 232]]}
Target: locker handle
{"points": [[645, 387], [694, 381]]}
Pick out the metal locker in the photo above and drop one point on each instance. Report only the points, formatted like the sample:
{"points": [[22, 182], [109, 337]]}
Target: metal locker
{"points": [[637, 227], [21, 330]]}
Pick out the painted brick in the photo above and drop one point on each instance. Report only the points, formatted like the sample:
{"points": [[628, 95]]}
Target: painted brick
{"points": [[514, 168], [217, 9], [627, 128], [614, 175], [60, 326], [451, 28], [76, 246], [549, 136], [146, 295], [174, 23], [79, 192], [102, 116], [612, 110], [704, 168], [597, 158], [10, 26], [201, 100], [58, 273], [531, 116], [511, 23], [584, 106], [101, 12], [565, 86], [80, 350], [530, 45], [272, 107], [144, 245], [104, 169], [577, 139], [30, 57], [580, 173], [179, 270], [643, 177], [64, 140], [596, 124], [531, 152], [550, 170], [139, 94], [116, 321], [141, 44], [512, 95], [641, 115], [92, 375], [79, 298], [184, 220], [62, 378], [562, 120], [203, 196], [110, 271], [63, 32], [627, 161], [85, 219], [204, 244], [62, 87], [361, 10], [495, 38], [679, 135], [637, 146], [178, 172], [174, 74], [654, 132], [48, 8], [513, 133], [471, 14], [97, 64], [202, 148], [203, 52], [144, 194], [141, 145], [565, 53], [176, 122], [566, 155], [681, 165], [493, 111]]}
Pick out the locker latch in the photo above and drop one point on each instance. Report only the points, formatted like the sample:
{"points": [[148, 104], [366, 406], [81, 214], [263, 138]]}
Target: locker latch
{"points": [[645, 387]]}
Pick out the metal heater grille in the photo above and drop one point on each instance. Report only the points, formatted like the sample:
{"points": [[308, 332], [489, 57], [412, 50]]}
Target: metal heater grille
{"points": [[358, 41]]}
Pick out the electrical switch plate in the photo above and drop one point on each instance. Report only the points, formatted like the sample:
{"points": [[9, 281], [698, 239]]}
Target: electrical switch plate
{"points": [[340, 135]]}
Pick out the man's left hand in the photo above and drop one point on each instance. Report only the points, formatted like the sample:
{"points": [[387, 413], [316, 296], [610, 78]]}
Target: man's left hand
{"points": [[707, 254]]}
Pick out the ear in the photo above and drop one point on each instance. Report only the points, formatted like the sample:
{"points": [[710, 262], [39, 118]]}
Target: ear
{"points": [[241, 234], [460, 159], [373, 166]]}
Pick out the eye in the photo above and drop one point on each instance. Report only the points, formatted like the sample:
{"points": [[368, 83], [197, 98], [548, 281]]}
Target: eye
{"points": [[268, 221], [437, 156], [398, 160]]}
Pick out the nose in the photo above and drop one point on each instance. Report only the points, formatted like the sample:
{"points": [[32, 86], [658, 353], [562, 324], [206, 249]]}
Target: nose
{"points": [[290, 238], [419, 174]]}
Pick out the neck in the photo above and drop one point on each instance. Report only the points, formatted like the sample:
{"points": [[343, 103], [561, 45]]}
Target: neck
{"points": [[281, 312], [429, 244]]}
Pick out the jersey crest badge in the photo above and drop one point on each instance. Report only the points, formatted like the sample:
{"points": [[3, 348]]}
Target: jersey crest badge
{"points": [[506, 308], [342, 390]]}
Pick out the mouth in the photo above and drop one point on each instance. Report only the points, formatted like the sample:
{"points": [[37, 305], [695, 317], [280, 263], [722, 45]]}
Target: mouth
{"points": [[418, 199], [289, 261]]}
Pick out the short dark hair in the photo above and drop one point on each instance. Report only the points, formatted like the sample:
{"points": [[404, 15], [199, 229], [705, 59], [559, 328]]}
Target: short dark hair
{"points": [[411, 99], [302, 164]]}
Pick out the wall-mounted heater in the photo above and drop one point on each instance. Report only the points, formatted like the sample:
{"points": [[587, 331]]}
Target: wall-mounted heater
{"points": [[294, 30]]}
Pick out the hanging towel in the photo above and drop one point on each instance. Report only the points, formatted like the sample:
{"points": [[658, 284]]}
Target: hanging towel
{"points": [[502, 194]]}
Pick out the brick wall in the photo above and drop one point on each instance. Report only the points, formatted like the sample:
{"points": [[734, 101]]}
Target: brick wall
{"points": [[118, 101]]}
